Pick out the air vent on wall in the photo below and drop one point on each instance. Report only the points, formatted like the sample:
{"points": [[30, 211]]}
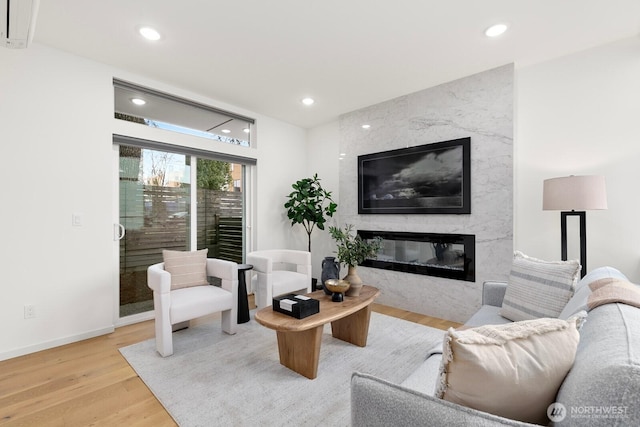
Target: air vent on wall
{"points": [[17, 22]]}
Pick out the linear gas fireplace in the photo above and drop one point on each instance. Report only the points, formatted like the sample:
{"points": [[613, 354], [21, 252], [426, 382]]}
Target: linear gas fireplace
{"points": [[433, 254]]}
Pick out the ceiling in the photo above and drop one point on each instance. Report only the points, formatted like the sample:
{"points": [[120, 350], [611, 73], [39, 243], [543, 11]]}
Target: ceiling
{"points": [[265, 56]]}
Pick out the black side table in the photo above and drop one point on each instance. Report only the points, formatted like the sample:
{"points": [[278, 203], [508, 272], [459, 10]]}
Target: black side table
{"points": [[243, 302]]}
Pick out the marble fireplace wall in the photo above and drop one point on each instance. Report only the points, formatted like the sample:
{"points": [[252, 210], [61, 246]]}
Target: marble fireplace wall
{"points": [[479, 106]]}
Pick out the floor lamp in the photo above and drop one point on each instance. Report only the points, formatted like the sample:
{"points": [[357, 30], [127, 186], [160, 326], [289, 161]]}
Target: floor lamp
{"points": [[573, 195]]}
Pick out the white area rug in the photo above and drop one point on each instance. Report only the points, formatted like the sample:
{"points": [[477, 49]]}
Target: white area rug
{"points": [[224, 380]]}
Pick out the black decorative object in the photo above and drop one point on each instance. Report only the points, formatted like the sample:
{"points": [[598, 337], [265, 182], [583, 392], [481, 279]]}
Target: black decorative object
{"points": [[330, 270], [582, 217], [298, 306], [243, 302], [427, 179]]}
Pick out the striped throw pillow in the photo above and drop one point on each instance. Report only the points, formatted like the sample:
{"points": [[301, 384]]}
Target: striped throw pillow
{"points": [[187, 268], [538, 288]]}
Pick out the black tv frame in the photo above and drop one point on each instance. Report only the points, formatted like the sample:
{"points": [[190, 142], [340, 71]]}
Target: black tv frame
{"points": [[422, 193]]}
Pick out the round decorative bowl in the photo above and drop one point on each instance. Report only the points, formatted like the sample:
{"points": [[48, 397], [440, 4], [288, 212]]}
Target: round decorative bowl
{"points": [[338, 287]]}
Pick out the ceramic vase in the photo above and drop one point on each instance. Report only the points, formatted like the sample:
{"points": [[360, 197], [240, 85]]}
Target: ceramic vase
{"points": [[354, 281]]}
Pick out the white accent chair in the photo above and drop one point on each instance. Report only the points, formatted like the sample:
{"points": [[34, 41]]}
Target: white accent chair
{"points": [[278, 272], [175, 308]]}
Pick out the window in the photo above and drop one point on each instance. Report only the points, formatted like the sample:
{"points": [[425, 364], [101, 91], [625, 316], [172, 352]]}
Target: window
{"points": [[153, 108], [220, 220]]}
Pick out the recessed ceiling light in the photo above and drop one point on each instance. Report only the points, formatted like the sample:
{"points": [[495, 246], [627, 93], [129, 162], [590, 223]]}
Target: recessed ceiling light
{"points": [[495, 30], [308, 101], [138, 101], [366, 126], [246, 130], [226, 131], [149, 33]]}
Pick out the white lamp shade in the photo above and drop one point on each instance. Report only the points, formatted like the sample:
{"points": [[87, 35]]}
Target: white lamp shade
{"points": [[574, 193]]}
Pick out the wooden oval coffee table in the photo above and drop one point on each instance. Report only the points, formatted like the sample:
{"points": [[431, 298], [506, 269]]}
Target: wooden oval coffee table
{"points": [[299, 339]]}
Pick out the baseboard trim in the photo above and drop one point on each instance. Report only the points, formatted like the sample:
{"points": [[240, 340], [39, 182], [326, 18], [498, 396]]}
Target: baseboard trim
{"points": [[135, 318], [55, 343]]}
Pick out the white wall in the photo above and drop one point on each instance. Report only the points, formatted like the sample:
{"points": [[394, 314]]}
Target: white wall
{"points": [[281, 162], [323, 152], [56, 126], [56, 149], [580, 115]]}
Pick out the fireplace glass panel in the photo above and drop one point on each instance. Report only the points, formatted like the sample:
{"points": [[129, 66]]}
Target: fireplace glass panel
{"points": [[434, 254]]}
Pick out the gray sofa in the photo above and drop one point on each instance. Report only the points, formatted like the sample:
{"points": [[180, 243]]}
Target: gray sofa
{"points": [[602, 388]]}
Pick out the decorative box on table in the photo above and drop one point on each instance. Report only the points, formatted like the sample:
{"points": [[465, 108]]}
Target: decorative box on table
{"points": [[298, 306]]}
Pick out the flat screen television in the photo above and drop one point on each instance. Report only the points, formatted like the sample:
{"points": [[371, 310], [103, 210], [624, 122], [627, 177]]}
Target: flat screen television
{"points": [[426, 179]]}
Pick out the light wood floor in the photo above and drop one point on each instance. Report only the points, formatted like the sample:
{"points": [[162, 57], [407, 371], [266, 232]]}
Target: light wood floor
{"points": [[90, 383]]}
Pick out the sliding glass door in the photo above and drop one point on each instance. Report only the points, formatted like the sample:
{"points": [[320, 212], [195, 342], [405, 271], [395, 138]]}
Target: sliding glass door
{"points": [[155, 194], [156, 199]]}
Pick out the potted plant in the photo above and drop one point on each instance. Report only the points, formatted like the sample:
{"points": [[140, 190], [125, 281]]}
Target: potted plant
{"points": [[310, 205], [353, 250]]}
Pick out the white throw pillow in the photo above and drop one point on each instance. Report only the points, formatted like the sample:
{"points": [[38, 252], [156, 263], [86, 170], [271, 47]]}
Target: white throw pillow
{"points": [[187, 268], [512, 370], [538, 288]]}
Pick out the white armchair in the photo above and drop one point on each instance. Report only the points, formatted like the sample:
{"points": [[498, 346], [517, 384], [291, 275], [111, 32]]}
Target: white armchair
{"points": [[174, 308], [278, 272]]}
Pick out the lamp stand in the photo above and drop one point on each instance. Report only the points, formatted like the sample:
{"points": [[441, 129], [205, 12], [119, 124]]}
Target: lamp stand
{"points": [[583, 237]]}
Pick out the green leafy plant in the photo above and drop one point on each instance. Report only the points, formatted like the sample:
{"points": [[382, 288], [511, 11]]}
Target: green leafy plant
{"points": [[310, 205], [352, 249]]}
